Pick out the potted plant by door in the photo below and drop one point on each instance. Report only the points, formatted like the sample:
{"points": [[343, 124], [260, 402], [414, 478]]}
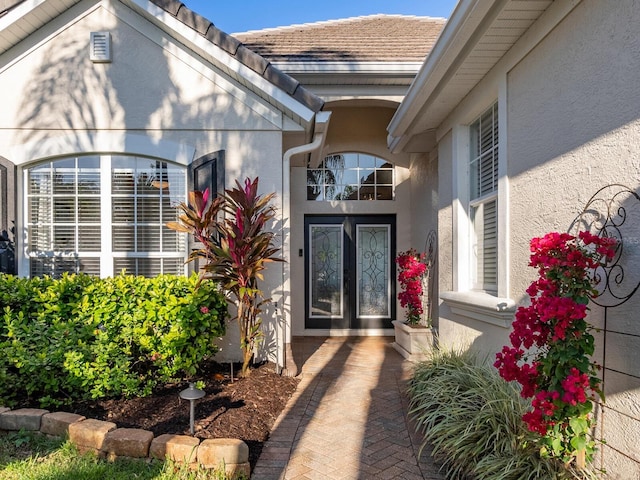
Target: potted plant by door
{"points": [[414, 336]]}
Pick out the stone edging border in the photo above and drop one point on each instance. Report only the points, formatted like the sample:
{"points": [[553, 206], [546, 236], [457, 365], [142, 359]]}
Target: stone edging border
{"points": [[108, 441]]}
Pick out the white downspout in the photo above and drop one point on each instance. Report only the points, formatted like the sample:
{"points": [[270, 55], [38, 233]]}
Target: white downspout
{"points": [[285, 359]]}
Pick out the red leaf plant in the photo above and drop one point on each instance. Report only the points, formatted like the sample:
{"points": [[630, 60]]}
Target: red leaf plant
{"points": [[235, 246]]}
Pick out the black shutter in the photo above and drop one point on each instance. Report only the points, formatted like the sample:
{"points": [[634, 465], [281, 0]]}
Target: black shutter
{"points": [[208, 172], [7, 216]]}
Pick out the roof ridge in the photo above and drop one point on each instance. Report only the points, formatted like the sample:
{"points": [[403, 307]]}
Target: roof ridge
{"points": [[322, 23]]}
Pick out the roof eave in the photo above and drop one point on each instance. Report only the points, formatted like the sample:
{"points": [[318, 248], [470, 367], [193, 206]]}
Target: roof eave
{"points": [[468, 22], [19, 9], [351, 67]]}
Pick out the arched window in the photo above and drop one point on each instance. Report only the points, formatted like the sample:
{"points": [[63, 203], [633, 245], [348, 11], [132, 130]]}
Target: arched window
{"points": [[351, 176], [100, 214]]}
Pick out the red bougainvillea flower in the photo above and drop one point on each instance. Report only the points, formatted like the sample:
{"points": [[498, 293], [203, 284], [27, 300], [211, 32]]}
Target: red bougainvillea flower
{"points": [[412, 269], [551, 343]]}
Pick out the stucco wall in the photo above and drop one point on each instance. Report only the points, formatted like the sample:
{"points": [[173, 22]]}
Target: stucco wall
{"points": [[152, 83], [574, 127], [361, 128], [424, 216]]}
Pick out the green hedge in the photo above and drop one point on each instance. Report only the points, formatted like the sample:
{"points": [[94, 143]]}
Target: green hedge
{"points": [[80, 337]]}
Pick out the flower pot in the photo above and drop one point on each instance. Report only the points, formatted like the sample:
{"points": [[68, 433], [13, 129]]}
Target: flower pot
{"points": [[413, 342]]}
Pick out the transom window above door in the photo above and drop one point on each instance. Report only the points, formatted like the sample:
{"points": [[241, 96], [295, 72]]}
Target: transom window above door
{"points": [[351, 176], [101, 214]]}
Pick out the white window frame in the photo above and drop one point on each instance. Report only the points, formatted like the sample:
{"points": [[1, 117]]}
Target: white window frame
{"points": [[479, 202], [495, 308], [107, 254]]}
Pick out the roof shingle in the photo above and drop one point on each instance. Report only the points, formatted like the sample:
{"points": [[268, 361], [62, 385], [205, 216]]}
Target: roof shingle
{"points": [[386, 38]]}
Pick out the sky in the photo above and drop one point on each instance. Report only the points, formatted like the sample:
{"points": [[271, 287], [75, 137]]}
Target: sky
{"points": [[234, 16]]}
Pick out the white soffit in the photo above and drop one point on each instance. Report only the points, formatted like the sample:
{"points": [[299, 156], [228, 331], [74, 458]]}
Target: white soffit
{"points": [[28, 17], [477, 36]]}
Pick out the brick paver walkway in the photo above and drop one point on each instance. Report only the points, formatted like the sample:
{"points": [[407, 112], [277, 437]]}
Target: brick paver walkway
{"points": [[347, 418]]}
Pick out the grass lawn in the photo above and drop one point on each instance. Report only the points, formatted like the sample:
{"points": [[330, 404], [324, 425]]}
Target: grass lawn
{"points": [[30, 456]]}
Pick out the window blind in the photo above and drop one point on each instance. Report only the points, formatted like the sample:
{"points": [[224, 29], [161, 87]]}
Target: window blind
{"points": [[66, 221], [483, 195]]}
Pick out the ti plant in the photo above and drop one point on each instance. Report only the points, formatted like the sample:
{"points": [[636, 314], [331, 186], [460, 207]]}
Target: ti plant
{"points": [[235, 250]]}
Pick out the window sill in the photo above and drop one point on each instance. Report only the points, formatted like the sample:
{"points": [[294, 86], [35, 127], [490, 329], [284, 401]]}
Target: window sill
{"points": [[481, 307]]}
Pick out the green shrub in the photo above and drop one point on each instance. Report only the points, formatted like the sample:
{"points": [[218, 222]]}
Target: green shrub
{"points": [[472, 418], [80, 337]]}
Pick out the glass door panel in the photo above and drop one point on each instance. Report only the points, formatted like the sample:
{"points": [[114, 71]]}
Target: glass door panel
{"points": [[373, 280], [326, 280]]}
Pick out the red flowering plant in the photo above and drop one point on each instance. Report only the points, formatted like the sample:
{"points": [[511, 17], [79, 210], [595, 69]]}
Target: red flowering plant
{"points": [[412, 270], [552, 344]]}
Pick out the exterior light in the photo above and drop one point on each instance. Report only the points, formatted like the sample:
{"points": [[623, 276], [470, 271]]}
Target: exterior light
{"points": [[192, 394]]}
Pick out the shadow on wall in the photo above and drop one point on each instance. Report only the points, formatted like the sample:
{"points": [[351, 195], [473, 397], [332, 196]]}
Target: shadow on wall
{"points": [[145, 89], [614, 211]]}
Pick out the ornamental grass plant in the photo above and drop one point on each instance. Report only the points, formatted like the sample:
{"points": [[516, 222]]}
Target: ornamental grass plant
{"points": [[473, 420]]}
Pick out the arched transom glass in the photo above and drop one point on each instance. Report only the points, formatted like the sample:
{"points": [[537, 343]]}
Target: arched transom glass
{"points": [[351, 176]]}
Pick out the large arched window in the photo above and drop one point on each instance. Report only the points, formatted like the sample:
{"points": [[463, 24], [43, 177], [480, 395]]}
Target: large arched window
{"points": [[101, 214], [351, 176]]}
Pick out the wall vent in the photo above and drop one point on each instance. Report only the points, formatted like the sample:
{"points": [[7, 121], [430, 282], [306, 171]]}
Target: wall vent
{"points": [[100, 47]]}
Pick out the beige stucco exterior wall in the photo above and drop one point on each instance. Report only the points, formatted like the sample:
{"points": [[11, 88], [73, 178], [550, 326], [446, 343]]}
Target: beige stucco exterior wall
{"points": [[573, 127], [572, 131], [424, 217], [156, 98]]}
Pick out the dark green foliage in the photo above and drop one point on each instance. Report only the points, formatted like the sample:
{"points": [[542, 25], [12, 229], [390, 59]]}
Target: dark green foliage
{"points": [[80, 337]]}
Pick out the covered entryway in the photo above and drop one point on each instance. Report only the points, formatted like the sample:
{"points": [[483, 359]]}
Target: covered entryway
{"points": [[349, 271]]}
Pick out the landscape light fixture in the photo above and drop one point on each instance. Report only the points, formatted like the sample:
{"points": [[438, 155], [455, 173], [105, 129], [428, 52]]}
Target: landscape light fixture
{"points": [[192, 394]]}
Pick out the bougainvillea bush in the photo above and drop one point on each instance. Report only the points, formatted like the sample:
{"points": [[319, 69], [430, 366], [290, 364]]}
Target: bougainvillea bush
{"points": [[551, 343], [412, 269]]}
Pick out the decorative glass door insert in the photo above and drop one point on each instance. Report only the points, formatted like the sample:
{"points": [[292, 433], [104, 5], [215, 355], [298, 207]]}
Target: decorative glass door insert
{"points": [[373, 279], [326, 270]]}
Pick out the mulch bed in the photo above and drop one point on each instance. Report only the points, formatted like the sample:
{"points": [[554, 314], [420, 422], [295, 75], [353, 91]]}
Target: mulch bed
{"points": [[243, 408]]}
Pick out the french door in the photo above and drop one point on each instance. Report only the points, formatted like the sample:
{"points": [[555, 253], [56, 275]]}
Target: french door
{"points": [[349, 271]]}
